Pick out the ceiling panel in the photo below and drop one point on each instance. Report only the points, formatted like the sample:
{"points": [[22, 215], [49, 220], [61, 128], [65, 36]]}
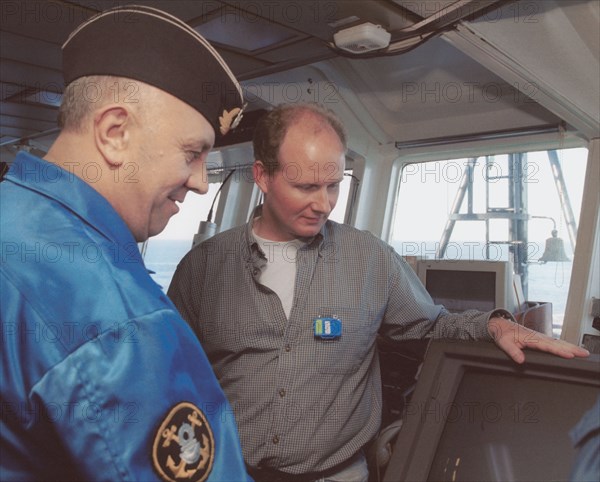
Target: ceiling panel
{"points": [[256, 38], [238, 31]]}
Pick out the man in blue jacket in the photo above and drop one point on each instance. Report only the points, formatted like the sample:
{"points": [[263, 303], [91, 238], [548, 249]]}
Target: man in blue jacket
{"points": [[101, 378]]}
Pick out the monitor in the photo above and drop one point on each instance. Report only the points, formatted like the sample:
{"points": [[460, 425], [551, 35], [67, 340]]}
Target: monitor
{"points": [[475, 415], [460, 285]]}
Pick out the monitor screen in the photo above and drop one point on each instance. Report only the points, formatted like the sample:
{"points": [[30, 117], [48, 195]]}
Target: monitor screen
{"points": [[461, 285], [477, 416], [459, 290]]}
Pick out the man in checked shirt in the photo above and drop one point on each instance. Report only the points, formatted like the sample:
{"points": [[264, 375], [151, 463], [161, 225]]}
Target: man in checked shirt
{"points": [[288, 308]]}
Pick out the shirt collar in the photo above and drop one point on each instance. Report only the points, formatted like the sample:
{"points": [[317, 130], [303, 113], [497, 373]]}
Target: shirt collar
{"points": [[73, 193], [252, 243]]}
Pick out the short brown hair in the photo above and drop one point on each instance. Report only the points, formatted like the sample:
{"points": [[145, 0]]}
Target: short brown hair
{"points": [[272, 127]]}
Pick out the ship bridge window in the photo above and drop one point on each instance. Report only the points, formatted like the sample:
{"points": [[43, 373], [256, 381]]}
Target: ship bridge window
{"points": [[339, 213], [500, 207], [163, 252]]}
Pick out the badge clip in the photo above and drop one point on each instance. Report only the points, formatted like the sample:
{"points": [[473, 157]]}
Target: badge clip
{"points": [[327, 328]]}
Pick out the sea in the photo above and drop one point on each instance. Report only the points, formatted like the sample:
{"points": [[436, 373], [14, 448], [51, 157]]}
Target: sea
{"points": [[162, 257], [547, 282]]}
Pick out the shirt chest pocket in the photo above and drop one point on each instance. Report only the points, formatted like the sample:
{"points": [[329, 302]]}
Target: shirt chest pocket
{"points": [[345, 353]]}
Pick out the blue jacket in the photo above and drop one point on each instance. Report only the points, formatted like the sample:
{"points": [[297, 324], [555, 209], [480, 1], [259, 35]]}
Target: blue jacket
{"points": [[101, 379], [586, 440]]}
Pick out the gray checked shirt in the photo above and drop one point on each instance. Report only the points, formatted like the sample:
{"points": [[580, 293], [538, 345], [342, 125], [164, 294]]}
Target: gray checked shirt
{"points": [[303, 403]]}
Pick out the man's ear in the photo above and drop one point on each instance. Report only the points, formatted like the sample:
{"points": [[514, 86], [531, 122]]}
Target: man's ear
{"points": [[261, 176], [112, 133]]}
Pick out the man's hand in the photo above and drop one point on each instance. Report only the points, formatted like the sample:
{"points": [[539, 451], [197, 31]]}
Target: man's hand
{"points": [[512, 338]]}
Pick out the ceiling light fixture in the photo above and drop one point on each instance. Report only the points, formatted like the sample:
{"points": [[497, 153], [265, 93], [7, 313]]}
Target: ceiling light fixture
{"points": [[362, 38]]}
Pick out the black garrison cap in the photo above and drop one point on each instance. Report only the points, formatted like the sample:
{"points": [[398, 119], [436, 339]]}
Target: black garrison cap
{"points": [[146, 44]]}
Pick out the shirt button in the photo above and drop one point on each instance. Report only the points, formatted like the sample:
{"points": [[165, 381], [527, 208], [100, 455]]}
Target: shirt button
{"points": [[282, 392], [288, 348], [275, 439]]}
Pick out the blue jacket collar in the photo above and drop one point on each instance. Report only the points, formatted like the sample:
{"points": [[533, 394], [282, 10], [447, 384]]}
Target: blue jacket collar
{"points": [[73, 193]]}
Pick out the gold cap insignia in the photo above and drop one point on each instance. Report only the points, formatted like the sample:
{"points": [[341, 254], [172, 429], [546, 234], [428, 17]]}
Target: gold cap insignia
{"points": [[230, 120], [184, 446]]}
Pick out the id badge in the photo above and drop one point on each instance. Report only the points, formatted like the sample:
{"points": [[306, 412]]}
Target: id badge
{"points": [[327, 328]]}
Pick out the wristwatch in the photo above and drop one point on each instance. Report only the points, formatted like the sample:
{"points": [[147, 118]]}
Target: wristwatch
{"points": [[502, 314]]}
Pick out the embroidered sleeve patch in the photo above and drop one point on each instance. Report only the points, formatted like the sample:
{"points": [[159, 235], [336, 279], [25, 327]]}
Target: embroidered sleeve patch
{"points": [[184, 446]]}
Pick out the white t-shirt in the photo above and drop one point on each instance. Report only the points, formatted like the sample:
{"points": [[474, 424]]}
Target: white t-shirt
{"points": [[280, 272]]}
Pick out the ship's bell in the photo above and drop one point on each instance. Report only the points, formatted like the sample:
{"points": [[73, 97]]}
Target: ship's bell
{"points": [[555, 250]]}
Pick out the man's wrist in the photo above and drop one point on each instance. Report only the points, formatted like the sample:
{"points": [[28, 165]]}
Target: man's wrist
{"points": [[502, 314]]}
